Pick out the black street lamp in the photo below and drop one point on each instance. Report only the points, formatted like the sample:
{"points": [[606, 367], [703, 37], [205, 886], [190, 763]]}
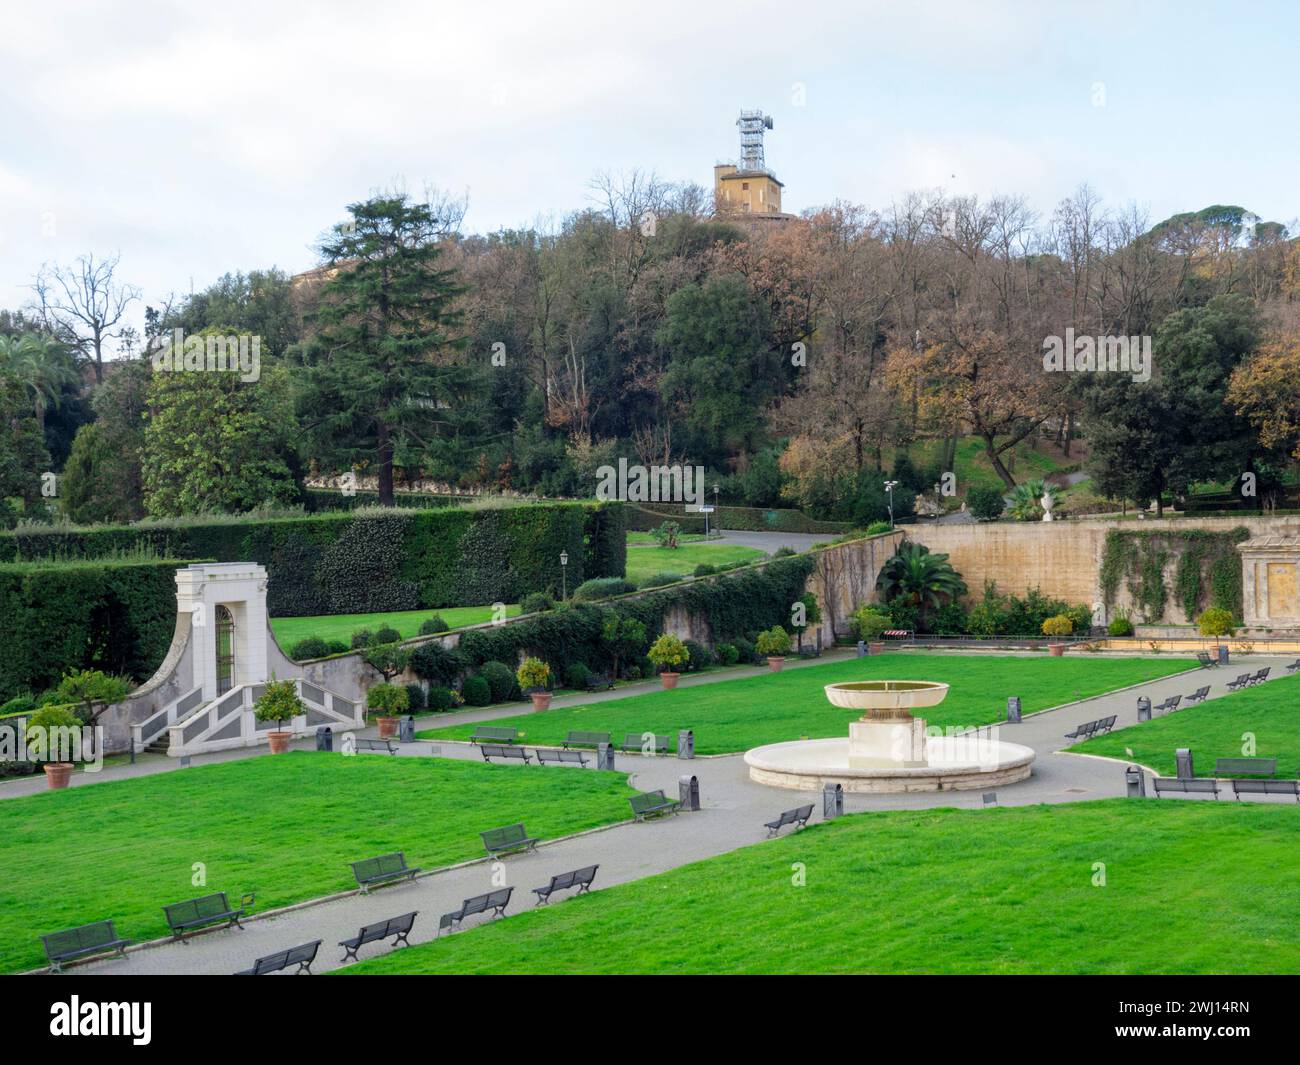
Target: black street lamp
{"points": [[889, 488], [564, 574]]}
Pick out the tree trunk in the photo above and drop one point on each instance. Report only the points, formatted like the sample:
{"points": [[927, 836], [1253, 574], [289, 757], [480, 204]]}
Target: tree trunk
{"points": [[995, 460]]}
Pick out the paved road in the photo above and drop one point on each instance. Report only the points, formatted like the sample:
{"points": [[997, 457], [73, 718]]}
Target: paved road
{"points": [[771, 541], [732, 815]]}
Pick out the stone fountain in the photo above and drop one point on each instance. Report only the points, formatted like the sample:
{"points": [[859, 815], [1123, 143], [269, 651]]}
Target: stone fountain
{"points": [[889, 750]]}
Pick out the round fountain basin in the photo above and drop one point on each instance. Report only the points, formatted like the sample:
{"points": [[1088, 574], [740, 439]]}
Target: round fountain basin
{"points": [[886, 694], [952, 763]]}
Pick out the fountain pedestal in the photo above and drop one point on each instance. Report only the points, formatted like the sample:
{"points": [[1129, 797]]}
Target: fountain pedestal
{"points": [[884, 744]]}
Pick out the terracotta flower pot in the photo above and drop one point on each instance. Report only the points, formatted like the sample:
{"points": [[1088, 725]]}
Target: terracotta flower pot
{"points": [[541, 700], [669, 680], [279, 741], [1057, 649], [387, 727], [876, 648], [57, 774], [775, 662]]}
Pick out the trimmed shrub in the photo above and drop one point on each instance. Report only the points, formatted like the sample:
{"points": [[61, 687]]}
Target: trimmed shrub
{"points": [[434, 625], [437, 665], [415, 697], [602, 588], [1058, 625], [658, 580], [668, 653], [19, 704], [1216, 622], [700, 656], [783, 552], [533, 675], [387, 700], [386, 634], [985, 502], [310, 647], [362, 638], [438, 699], [337, 647], [869, 622], [705, 570], [501, 681], [744, 649], [576, 676], [1120, 626], [727, 654], [536, 602], [774, 642], [476, 692]]}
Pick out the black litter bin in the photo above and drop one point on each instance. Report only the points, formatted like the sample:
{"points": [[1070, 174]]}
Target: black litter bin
{"points": [[604, 756], [1183, 761], [324, 738], [1013, 709], [1223, 654], [862, 649], [1144, 708], [1136, 782]]}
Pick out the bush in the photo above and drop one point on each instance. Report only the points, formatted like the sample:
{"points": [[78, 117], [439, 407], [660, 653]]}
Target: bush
{"points": [[536, 602], [1059, 625], [386, 634], [336, 647], [775, 642], [533, 674], [699, 656], [878, 527], [19, 704], [501, 681], [311, 647], [576, 676], [668, 534], [705, 570], [869, 622], [416, 700], [1120, 626], [985, 503], [602, 588], [476, 692], [40, 724], [362, 638], [434, 663], [744, 649], [668, 653], [387, 700], [632, 673], [438, 699], [658, 580], [1216, 622], [783, 552], [434, 625], [727, 654]]}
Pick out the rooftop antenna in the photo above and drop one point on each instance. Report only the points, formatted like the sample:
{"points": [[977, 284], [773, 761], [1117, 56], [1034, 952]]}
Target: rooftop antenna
{"points": [[752, 124]]}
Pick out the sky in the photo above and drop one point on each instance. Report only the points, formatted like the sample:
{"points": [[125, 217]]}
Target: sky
{"points": [[195, 139]]}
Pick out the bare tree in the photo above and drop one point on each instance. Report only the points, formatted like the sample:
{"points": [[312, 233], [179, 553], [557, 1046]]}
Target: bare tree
{"points": [[85, 306]]}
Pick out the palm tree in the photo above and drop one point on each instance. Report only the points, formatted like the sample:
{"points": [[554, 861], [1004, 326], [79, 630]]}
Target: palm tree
{"points": [[43, 366], [920, 579], [1024, 503]]}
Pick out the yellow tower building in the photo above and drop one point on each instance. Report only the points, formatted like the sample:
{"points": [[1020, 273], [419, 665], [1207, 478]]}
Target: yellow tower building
{"points": [[749, 188]]}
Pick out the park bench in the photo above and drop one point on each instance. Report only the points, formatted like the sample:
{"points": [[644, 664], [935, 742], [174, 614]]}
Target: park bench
{"points": [[494, 734], [498, 750], [397, 927], [579, 878], [1292, 667], [1199, 696], [1169, 705], [652, 804], [507, 839], [1206, 661], [1239, 683], [545, 755], [812, 650], [365, 744], [1092, 728], [1245, 767], [385, 869], [1266, 787], [586, 739], [797, 817], [598, 682], [1192, 785], [193, 914], [82, 942], [496, 901], [1259, 677], [301, 956], [636, 741]]}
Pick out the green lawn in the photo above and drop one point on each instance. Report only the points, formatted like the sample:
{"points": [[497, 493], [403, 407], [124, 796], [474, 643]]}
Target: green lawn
{"points": [[643, 562], [1189, 888], [645, 539], [972, 463], [1220, 728], [289, 631], [285, 827], [768, 708]]}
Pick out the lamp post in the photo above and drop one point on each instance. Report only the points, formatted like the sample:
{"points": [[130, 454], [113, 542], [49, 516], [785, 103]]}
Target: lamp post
{"points": [[715, 503], [889, 489], [564, 574]]}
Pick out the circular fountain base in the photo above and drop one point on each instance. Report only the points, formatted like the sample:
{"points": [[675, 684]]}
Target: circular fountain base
{"points": [[952, 763]]}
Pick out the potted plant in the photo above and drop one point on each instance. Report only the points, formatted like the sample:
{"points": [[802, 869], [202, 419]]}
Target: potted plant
{"points": [[668, 653], [870, 624], [775, 644], [389, 700], [534, 675], [279, 702], [40, 730], [1217, 622], [1057, 626]]}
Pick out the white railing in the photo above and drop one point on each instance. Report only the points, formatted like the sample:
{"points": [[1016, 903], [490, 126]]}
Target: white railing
{"points": [[155, 725]]}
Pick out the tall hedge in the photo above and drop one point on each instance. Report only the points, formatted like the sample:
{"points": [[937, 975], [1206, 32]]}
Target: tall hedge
{"points": [[372, 560], [113, 615]]}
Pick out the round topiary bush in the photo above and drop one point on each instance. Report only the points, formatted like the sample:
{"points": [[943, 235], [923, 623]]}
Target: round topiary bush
{"points": [[658, 580], [744, 649], [415, 698], [774, 643], [668, 653], [727, 654], [309, 647], [576, 676], [476, 692], [337, 647], [434, 625], [1216, 622], [705, 570], [434, 663], [1120, 626], [1059, 625], [501, 681], [438, 699], [386, 634], [361, 638], [869, 622], [602, 587], [985, 502], [536, 602]]}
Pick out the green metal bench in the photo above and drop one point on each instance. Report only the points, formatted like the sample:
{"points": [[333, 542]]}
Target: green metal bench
{"points": [[652, 804], [82, 942], [494, 734], [507, 839], [586, 739], [193, 914], [639, 741], [385, 869], [1245, 767]]}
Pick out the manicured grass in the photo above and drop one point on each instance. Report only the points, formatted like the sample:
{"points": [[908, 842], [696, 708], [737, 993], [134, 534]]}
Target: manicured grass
{"points": [[1189, 888], [284, 826], [645, 539], [289, 631], [1220, 728], [644, 562], [768, 708]]}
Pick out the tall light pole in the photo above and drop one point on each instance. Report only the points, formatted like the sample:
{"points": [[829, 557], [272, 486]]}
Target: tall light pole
{"points": [[715, 507], [889, 489], [564, 574]]}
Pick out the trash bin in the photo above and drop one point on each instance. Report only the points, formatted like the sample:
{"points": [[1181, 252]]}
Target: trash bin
{"points": [[1223, 654], [324, 738], [1183, 760], [1013, 709], [1136, 781], [688, 791], [1144, 708], [604, 756], [406, 730], [862, 648], [832, 801], [685, 744]]}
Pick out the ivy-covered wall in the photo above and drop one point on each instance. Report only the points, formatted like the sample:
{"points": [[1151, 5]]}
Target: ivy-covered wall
{"points": [[1171, 575], [113, 615], [372, 560]]}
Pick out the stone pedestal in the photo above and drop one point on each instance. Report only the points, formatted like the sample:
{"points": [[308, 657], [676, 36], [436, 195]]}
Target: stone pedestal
{"points": [[898, 743]]}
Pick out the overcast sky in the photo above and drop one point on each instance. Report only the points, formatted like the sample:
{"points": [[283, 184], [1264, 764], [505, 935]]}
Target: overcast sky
{"points": [[200, 138]]}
